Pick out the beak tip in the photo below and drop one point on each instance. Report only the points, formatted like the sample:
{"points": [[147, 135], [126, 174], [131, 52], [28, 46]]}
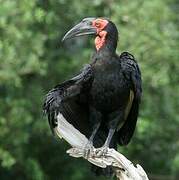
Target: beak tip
{"points": [[79, 30], [63, 39]]}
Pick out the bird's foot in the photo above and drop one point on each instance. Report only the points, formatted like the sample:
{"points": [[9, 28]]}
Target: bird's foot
{"points": [[101, 152], [88, 150]]}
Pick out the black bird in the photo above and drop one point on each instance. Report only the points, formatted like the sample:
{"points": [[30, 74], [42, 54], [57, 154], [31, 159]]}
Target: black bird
{"points": [[102, 101]]}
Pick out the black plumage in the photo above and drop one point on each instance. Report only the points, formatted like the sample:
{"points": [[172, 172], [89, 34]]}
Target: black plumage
{"points": [[102, 101]]}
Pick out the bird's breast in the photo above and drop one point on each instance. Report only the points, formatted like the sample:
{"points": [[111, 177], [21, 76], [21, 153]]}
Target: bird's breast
{"points": [[109, 89]]}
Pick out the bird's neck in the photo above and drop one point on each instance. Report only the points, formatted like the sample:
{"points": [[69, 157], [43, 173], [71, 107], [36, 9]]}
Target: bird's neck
{"points": [[105, 44]]}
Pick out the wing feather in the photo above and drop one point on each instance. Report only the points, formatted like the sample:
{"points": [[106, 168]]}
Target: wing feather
{"points": [[65, 98], [132, 70]]}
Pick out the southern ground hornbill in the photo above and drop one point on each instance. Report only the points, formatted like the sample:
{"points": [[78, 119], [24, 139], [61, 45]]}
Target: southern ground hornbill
{"points": [[102, 101]]}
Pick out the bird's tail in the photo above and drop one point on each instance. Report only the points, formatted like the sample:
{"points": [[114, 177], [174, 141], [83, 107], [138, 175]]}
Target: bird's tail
{"points": [[98, 142]]}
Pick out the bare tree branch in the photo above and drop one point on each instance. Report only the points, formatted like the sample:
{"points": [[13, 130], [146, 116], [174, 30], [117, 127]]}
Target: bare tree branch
{"points": [[125, 170]]}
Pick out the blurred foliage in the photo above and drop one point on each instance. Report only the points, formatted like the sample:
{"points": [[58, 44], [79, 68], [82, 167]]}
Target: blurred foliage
{"points": [[33, 60]]}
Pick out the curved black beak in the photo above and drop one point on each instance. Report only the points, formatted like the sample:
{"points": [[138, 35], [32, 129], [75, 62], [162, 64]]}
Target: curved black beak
{"points": [[83, 28]]}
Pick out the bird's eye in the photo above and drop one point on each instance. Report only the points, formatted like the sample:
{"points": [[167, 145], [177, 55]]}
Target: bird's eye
{"points": [[97, 24]]}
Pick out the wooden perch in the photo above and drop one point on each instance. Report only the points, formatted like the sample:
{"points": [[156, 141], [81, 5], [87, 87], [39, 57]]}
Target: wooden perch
{"points": [[125, 170]]}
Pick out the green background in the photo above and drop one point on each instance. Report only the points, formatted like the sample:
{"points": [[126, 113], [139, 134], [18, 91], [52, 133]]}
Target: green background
{"points": [[33, 60]]}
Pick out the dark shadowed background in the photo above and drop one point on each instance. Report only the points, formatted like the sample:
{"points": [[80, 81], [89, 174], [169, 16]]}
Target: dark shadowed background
{"points": [[33, 60]]}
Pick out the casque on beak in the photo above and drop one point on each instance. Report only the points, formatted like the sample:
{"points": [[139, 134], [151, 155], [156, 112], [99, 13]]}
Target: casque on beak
{"points": [[83, 28]]}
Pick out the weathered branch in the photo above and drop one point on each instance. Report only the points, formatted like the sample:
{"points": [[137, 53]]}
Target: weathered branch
{"points": [[125, 170]]}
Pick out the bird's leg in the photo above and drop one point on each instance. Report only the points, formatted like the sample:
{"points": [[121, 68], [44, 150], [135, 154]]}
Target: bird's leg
{"points": [[88, 151], [110, 135], [95, 119], [103, 150], [114, 120], [95, 129]]}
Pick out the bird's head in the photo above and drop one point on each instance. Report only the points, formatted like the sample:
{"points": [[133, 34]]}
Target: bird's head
{"points": [[105, 31]]}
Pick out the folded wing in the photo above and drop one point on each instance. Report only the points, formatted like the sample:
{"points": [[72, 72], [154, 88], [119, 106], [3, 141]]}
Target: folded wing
{"points": [[132, 72], [70, 100]]}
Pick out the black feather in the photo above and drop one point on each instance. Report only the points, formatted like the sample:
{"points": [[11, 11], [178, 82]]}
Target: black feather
{"points": [[130, 66]]}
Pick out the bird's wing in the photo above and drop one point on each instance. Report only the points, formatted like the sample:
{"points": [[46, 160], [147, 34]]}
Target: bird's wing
{"points": [[69, 99], [133, 74]]}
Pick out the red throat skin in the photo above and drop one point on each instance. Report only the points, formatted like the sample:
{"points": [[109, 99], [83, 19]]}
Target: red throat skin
{"points": [[100, 39]]}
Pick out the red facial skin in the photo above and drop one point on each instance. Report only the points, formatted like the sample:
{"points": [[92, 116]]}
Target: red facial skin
{"points": [[100, 40]]}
